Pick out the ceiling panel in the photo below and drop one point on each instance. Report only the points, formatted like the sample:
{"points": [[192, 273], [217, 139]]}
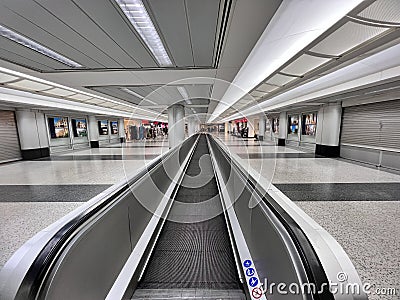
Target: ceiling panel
{"points": [[72, 15], [33, 21], [60, 92], [9, 46], [171, 19], [80, 97], [347, 37], [267, 88], [199, 90], [257, 94], [203, 20], [115, 91], [6, 78], [383, 10], [15, 58], [29, 85], [106, 16], [280, 80], [304, 64], [94, 101], [108, 104]]}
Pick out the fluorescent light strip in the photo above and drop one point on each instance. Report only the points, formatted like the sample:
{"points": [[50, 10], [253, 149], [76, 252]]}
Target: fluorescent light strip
{"points": [[137, 95], [141, 21], [184, 94], [16, 37]]}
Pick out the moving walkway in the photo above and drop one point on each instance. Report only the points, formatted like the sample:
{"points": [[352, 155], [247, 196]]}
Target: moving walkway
{"points": [[192, 224]]}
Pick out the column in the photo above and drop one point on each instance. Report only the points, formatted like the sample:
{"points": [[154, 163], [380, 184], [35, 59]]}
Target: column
{"points": [[191, 125], [32, 132], [121, 130], [93, 132], [251, 127], [328, 130], [227, 125], [283, 124], [176, 125], [261, 126]]}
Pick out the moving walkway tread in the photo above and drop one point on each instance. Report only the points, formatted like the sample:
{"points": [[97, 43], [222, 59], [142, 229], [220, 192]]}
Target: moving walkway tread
{"points": [[193, 259]]}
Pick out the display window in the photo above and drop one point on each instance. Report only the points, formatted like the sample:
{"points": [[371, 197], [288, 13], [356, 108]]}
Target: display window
{"points": [[103, 127], [79, 127], [58, 127], [114, 127], [293, 124], [309, 124]]}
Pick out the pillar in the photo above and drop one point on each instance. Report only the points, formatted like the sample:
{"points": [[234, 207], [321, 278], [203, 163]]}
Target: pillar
{"points": [[261, 127], [121, 130], [176, 125], [328, 130], [192, 125], [251, 127], [32, 132], [283, 125], [227, 125], [93, 132]]}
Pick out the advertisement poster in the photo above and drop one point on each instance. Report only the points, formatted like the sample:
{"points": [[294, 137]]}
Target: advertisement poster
{"points": [[293, 124], [103, 127], [58, 127], [309, 124], [114, 127], [79, 127], [275, 125]]}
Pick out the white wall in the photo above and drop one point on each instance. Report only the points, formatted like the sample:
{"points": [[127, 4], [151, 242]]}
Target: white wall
{"points": [[328, 125], [31, 129]]}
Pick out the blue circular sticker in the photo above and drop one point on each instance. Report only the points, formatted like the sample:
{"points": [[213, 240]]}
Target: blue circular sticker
{"points": [[253, 281], [250, 272], [247, 263]]}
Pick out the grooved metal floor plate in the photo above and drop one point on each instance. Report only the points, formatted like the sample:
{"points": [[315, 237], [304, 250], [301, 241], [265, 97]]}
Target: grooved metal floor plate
{"points": [[193, 256]]}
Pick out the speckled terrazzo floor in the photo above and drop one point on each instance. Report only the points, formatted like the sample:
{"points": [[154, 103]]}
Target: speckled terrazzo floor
{"points": [[34, 194], [370, 234], [20, 221]]}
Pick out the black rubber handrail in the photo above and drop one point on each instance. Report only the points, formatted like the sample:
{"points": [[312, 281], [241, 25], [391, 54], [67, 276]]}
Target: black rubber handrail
{"points": [[36, 274], [312, 265]]}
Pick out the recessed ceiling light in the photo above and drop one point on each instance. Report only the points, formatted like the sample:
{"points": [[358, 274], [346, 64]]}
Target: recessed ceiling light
{"points": [[184, 94], [29, 85], [80, 97], [7, 78], [60, 92], [137, 14], [16, 37]]}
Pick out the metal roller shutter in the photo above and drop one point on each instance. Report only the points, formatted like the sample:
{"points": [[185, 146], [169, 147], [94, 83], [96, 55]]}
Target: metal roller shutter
{"points": [[373, 125], [9, 143]]}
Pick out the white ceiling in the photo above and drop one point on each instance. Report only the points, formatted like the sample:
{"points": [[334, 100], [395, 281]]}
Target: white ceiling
{"points": [[205, 40], [208, 42]]}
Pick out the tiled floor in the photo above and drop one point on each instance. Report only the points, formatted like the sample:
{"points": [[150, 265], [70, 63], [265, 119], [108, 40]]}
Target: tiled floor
{"points": [[34, 194], [358, 205]]}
